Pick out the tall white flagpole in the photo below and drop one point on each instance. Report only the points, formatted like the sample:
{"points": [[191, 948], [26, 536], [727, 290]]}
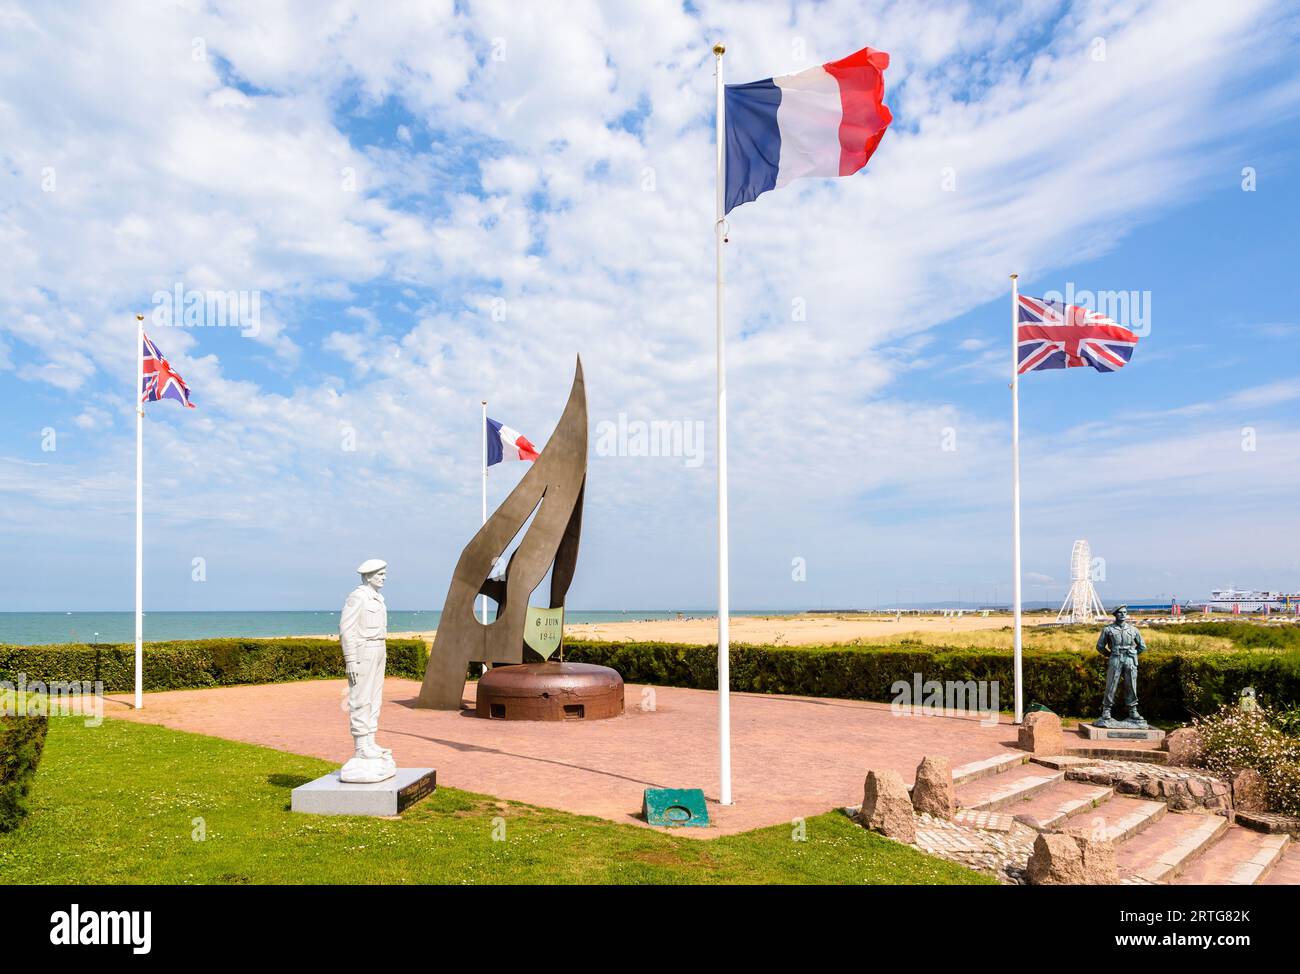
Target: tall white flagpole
{"points": [[724, 594], [139, 514], [483, 427], [1015, 493]]}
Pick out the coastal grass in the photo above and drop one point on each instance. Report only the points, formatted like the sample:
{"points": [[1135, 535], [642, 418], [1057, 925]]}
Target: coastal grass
{"points": [[137, 803], [1053, 640]]}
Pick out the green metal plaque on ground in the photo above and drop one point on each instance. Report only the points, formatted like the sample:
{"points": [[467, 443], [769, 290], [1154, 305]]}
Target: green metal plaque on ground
{"points": [[675, 806], [544, 630]]}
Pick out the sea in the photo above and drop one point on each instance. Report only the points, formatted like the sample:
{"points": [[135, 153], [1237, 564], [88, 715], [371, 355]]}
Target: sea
{"points": [[39, 628]]}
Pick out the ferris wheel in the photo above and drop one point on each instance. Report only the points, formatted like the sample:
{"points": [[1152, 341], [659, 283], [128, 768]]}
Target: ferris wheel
{"points": [[1081, 602]]}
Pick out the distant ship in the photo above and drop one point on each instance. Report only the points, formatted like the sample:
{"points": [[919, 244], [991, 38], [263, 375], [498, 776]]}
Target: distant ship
{"points": [[1251, 600]]}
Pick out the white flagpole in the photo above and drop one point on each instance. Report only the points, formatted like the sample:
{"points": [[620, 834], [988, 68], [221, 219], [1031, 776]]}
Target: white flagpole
{"points": [[1015, 492], [724, 595], [139, 514], [484, 444]]}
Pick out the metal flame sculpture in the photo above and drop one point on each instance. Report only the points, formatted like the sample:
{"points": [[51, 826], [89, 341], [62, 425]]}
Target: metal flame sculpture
{"points": [[551, 493]]}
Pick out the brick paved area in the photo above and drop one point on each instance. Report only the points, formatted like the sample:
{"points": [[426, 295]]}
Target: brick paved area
{"points": [[792, 756]]}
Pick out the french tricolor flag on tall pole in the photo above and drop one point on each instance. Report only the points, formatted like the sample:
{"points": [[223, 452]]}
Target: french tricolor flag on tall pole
{"points": [[823, 121]]}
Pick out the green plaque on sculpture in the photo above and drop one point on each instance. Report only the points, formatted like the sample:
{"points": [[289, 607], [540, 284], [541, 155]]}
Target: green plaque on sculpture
{"points": [[544, 630]]}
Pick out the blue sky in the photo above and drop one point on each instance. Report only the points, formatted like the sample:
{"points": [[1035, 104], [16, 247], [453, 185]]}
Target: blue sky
{"points": [[451, 202]]}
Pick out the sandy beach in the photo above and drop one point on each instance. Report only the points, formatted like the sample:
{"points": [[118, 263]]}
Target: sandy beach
{"points": [[789, 630]]}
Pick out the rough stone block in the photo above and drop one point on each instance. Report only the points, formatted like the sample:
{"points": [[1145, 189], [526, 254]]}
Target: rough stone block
{"points": [[1249, 793], [887, 807], [933, 790], [1041, 733], [1072, 858], [1185, 747]]}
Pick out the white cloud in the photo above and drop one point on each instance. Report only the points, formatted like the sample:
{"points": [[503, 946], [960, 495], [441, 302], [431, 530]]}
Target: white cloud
{"points": [[167, 172]]}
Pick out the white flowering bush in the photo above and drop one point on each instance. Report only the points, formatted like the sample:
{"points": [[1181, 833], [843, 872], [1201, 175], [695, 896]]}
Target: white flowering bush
{"points": [[1261, 739]]}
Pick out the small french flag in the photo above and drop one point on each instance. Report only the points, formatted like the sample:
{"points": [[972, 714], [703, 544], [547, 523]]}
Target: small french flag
{"points": [[824, 121], [504, 443]]}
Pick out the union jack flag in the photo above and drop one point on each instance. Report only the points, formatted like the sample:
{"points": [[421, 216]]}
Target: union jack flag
{"points": [[158, 381], [1053, 335]]}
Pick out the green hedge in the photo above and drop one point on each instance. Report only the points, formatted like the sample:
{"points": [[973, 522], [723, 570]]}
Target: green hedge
{"points": [[22, 739], [1172, 687], [197, 662]]}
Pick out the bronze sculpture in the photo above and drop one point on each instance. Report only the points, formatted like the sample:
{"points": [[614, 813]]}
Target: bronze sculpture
{"points": [[1121, 644], [551, 493]]}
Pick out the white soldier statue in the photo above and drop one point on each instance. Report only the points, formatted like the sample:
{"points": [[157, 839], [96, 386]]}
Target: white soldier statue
{"points": [[363, 629], [1121, 644]]}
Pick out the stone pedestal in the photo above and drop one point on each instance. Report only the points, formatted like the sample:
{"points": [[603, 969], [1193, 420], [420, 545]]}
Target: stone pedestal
{"points": [[328, 795], [1119, 732]]}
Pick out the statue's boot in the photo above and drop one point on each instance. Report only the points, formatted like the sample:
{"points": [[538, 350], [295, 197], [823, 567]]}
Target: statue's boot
{"points": [[1104, 719], [367, 748], [1135, 717]]}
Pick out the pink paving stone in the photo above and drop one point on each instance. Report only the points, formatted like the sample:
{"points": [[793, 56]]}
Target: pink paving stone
{"points": [[1008, 789], [1287, 870], [1241, 857], [1053, 807], [1160, 850], [791, 756]]}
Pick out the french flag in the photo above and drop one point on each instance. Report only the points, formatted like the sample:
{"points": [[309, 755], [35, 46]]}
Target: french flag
{"points": [[825, 121], [504, 443]]}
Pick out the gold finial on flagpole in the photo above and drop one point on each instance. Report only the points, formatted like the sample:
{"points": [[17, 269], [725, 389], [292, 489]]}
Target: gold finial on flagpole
{"points": [[719, 49], [1014, 276], [139, 317]]}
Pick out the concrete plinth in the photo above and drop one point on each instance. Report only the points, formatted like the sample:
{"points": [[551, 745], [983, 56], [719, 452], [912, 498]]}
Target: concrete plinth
{"points": [[330, 796], [1120, 733]]}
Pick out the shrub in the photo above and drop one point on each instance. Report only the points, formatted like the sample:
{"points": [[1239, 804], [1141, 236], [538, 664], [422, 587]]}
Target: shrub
{"points": [[196, 663], [22, 739], [1172, 686], [1236, 739]]}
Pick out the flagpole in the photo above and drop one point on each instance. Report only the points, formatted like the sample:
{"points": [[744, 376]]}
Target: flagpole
{"points": [[724, 594], [483, 428], [1015, 494], [139, 514]]}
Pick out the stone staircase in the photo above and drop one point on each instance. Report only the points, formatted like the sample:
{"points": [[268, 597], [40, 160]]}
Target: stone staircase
{"points": [[1153, 844]]}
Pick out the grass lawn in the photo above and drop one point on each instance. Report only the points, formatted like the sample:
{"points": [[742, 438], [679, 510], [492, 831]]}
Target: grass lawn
{"points": [[121, 803]]}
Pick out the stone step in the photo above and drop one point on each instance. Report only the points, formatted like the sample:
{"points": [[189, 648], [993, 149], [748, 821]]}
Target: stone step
{"points": [[987, 767], [1050, 808], [1113, 753], [1164, 849], [1270, 822], [1287, 870], [1007, 788], [1240, 858], [1120, 818]]}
